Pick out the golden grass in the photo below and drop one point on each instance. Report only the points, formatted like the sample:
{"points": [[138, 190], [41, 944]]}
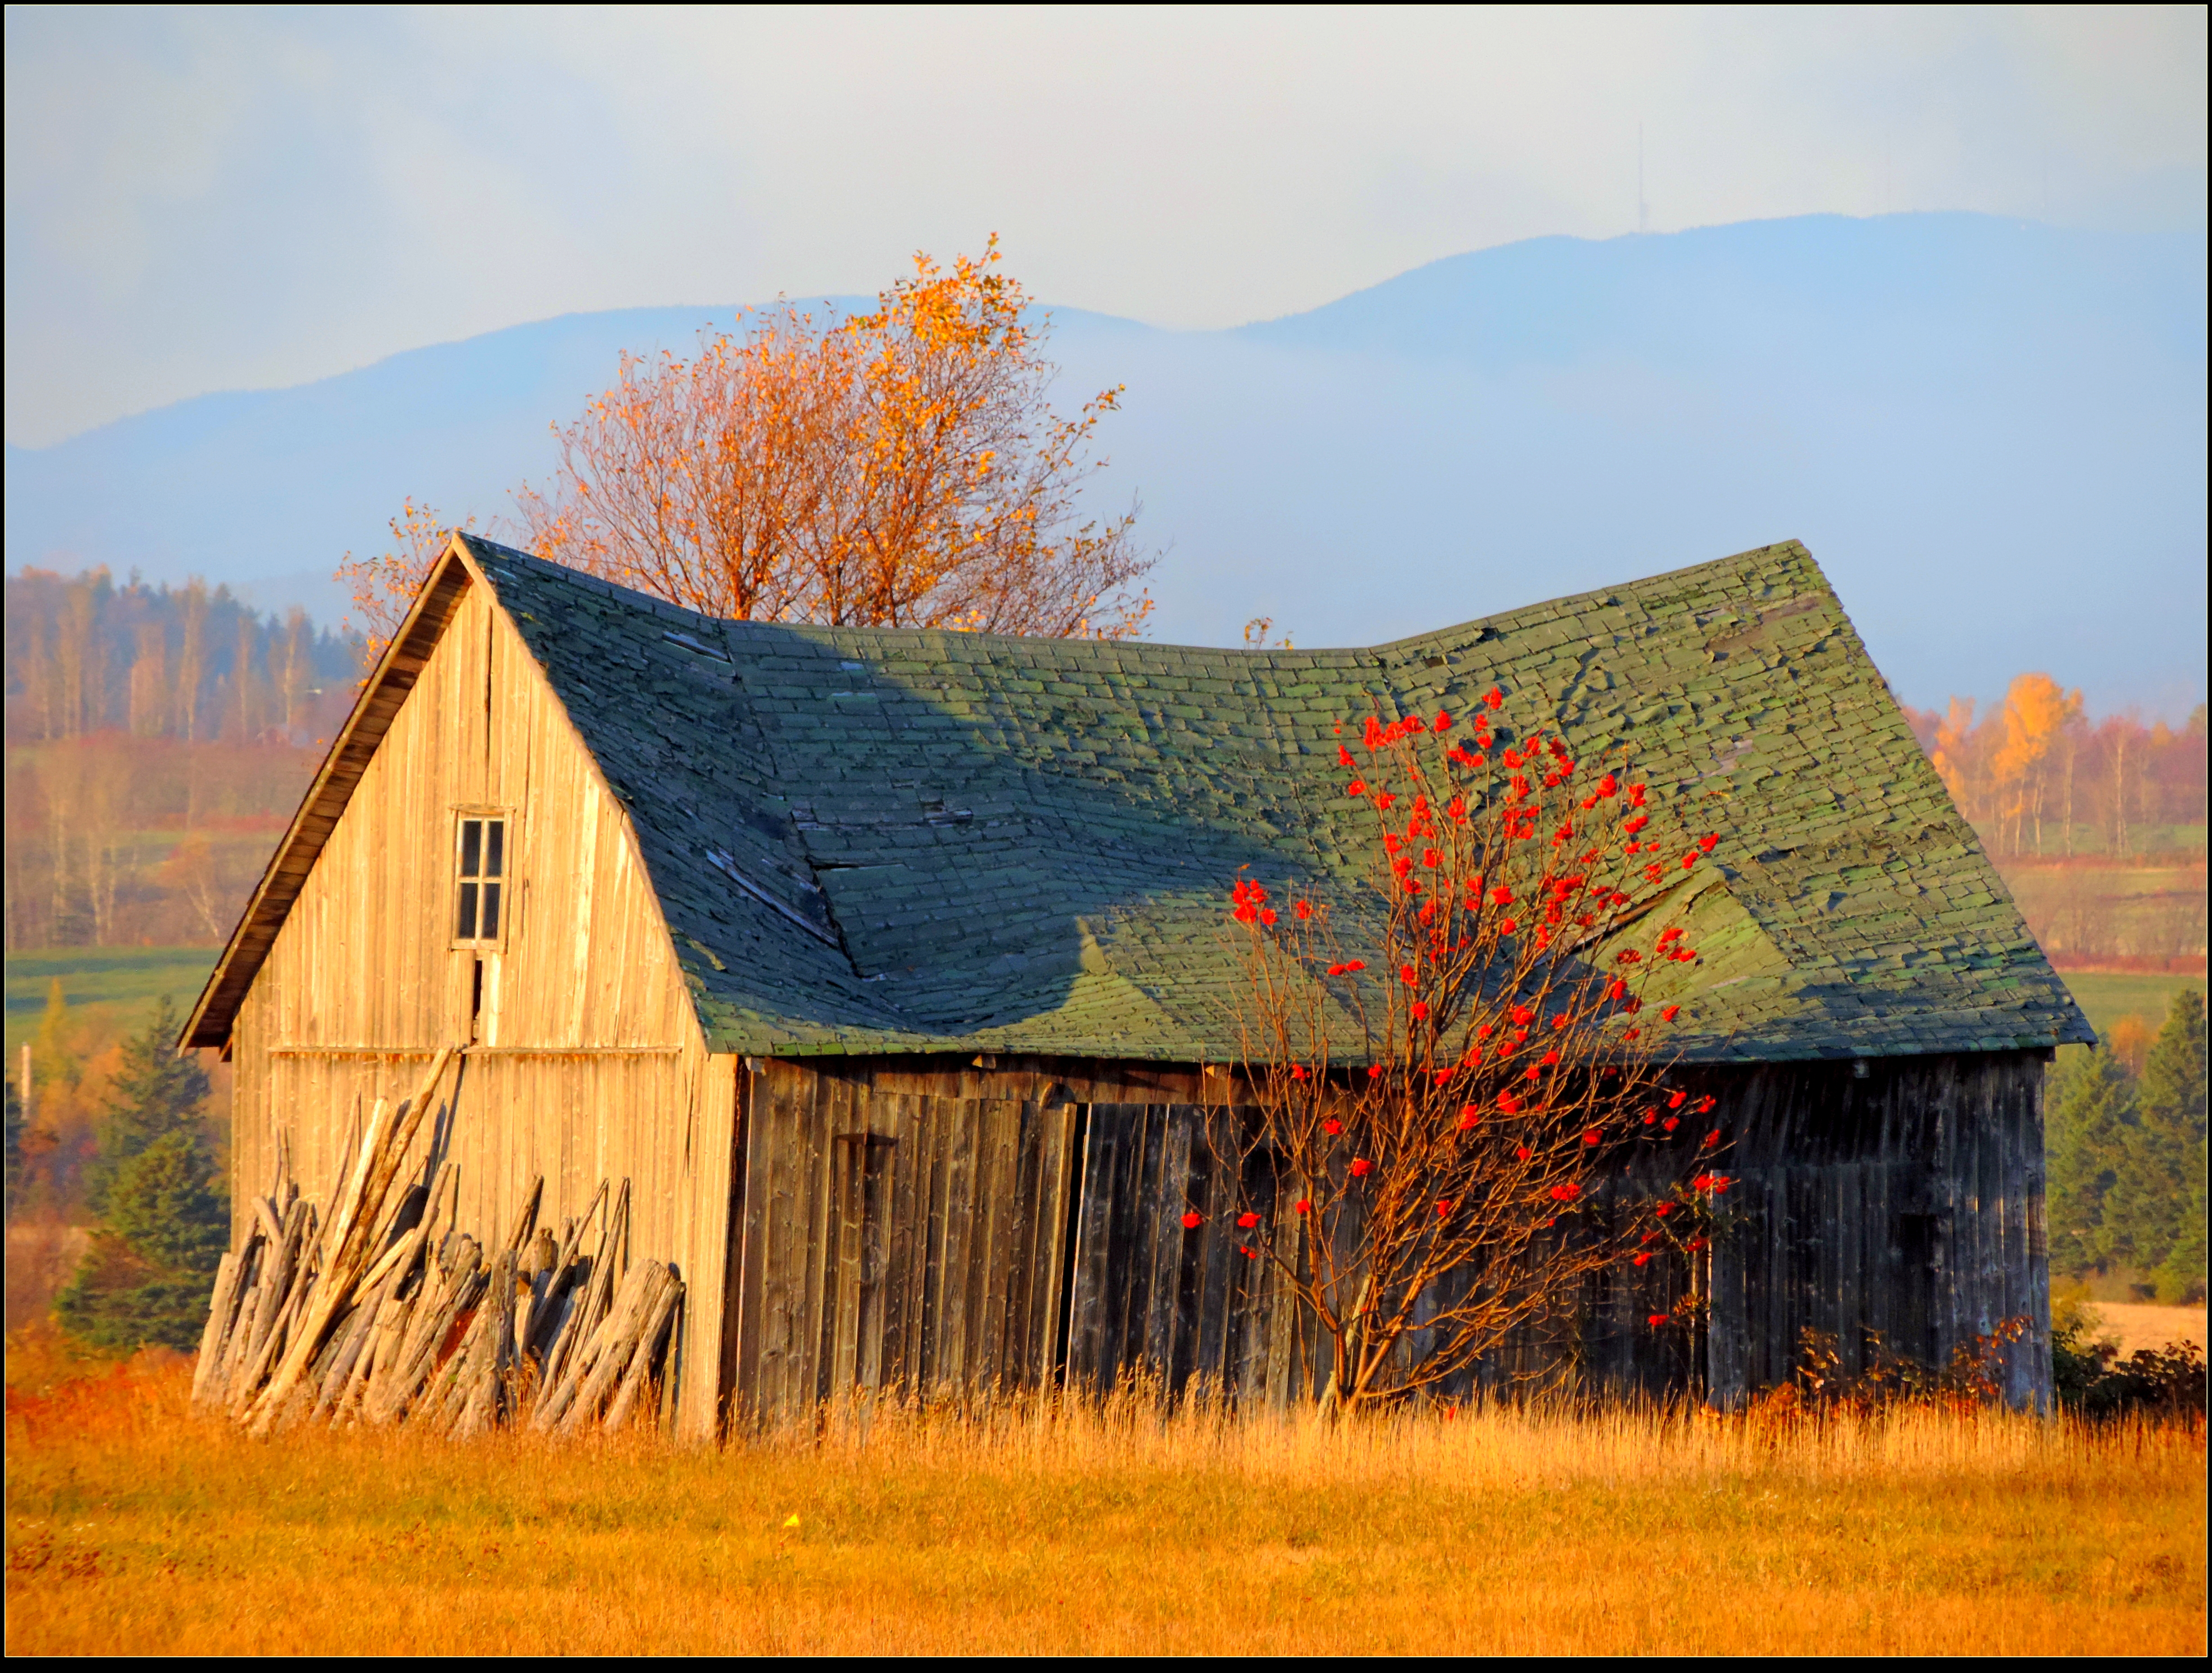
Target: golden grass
{"points": [[134, 1529], [2143, 1325]]}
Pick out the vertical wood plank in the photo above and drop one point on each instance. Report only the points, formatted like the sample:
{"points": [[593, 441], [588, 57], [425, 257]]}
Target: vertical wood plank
{"points": [[958, 1291], [1055, 1214], [997, 1226], [819, 1253], [896, 1110], [944, 1123], [1091, 1311]]}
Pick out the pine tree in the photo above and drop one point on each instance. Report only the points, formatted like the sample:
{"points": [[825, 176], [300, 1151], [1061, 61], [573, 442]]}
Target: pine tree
{"points": [[2160, 1190], [2093, 1108], [156, 1092], [2180, 1276], [148, 1273], [165, 1218], [2174, 1073]]}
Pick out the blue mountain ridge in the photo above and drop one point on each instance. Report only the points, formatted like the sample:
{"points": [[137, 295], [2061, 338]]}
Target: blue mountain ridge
{"points": [[1991, 434]]}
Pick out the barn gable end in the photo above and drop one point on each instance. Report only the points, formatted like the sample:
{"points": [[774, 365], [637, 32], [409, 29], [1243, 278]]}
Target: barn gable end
{"points": [[585, 1060]]}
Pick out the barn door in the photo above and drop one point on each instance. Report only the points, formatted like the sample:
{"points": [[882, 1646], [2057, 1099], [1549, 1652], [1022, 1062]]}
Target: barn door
{"points": [[896, 1242], [1151, 1296]]}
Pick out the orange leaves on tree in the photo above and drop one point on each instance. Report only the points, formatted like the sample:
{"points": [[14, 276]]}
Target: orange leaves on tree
{"points": [[381, 587], [900, 467]]}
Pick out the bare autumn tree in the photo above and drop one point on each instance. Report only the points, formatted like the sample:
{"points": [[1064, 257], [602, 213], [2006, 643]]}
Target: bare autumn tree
{"points": [[898, 468], [1444, 1118], [384, 585]]}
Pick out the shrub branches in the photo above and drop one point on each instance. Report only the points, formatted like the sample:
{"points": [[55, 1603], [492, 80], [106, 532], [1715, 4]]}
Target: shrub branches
{"points": [[1440, 1105]]}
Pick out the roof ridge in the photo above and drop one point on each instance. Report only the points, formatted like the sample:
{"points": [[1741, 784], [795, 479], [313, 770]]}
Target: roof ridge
{"points": [[829, 634]]}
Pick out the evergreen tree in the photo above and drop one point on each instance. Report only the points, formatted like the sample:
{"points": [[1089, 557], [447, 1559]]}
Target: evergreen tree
{"points": [[165, 1220], [148, 1275], [2157, 1201], [2091, 1109], [2174, 1073], [158, 1092], [2181, 1276]]}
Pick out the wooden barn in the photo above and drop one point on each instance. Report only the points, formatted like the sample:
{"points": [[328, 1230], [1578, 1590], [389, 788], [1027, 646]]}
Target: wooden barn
{"points": [[886, 965]]}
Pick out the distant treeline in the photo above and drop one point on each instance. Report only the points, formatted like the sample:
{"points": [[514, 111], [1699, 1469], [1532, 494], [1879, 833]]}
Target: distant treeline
{"points": [[158, 739], [2037, 779], [85, 656]]}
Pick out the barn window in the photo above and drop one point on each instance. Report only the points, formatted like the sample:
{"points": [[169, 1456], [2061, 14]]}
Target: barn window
{"points": [[480, 878]]}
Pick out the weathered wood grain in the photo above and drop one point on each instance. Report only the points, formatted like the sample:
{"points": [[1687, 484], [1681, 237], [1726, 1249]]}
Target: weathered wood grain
{"points": [[223, 1310], [668, 1295]]}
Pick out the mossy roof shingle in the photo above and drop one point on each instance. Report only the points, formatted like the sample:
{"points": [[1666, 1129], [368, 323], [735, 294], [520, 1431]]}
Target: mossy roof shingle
{"points": [[900, 840]]}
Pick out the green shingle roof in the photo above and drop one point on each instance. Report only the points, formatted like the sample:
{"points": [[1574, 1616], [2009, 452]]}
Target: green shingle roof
{"points": [[899, 840]]}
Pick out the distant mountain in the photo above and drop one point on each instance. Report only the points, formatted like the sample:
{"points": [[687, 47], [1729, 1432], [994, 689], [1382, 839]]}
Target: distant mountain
{"points": [[1992, 434]]}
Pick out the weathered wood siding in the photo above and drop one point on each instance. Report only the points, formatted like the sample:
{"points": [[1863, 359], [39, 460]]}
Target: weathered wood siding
{"points": [[898, 1239], [1151, 1295], [1908, 1202], [952, 1229], [899, 1230], [585, 1060]]}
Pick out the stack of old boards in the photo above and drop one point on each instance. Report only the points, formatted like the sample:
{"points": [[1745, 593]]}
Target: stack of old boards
{"points": [[371, 1316]]}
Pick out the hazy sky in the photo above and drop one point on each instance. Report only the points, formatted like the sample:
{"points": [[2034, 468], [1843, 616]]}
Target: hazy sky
{"points": [[216, 199]]}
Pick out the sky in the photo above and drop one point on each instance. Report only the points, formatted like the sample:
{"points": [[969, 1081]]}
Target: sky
{"points": [[222, 199]]}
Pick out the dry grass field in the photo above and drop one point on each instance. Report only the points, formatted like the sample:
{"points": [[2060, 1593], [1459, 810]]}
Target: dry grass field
{"points": [[2134, 1325], [132, 1529]]}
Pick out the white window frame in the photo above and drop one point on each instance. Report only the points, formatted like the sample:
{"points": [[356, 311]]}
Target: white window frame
{"points": [[475, 886]]}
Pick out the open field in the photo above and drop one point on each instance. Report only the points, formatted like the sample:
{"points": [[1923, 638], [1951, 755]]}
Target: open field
{"points": [[133, 1530], [2105, 997], [114, 986], [2092, 915], [2134, 1324], [109, 989]]}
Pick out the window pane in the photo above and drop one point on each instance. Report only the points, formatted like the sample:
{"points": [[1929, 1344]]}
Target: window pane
{"points": [[472, 846], [466, 928], [495, 849], [490, 930]]}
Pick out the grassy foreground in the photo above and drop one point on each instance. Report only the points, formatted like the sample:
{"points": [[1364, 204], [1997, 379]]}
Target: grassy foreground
{"points": [[132, 1529]]}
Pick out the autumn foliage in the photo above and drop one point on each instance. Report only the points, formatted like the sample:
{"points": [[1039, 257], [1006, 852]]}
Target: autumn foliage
{"points": [[898, 468], [2038, 778], [383, 587], [1452, 1070]]}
